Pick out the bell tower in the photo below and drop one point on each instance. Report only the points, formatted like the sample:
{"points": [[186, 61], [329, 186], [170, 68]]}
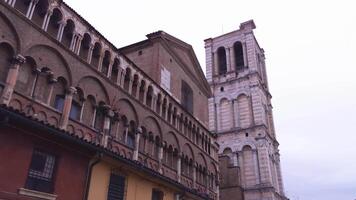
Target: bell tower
{"points": [[240, 112]]}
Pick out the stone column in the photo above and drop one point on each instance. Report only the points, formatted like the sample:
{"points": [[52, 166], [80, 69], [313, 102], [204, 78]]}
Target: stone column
{"points": [[47, 19], [62, 24], [233, 123], [101, 58], [179, 168], [216, 64], [233, 61], [31, 8], [73, 42], [106, 128], [126, 132], [130, 85], [110, 68], [244, 51], [145, 94], [12, 74], [137, 143], [228, 63], [67, 106], [160, 159], [52, 81], [90, 53], [78, 45], [194, 176]]}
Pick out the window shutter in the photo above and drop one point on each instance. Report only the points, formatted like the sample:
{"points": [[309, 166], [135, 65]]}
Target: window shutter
{"points": [[116, 187]]}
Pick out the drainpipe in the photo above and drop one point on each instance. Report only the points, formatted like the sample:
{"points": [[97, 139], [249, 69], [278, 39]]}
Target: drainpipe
{"points": [[92, 163]]}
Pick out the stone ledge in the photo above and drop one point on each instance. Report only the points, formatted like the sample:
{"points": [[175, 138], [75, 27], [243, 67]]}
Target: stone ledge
{"points": [[37, 194]]}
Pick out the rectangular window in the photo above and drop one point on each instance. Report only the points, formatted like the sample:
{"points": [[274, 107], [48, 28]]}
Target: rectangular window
{"points": [[187, 97], [41, 172], [116, 187], [157, 195]]}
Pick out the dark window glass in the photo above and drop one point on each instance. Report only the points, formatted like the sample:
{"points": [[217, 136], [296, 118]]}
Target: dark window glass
{"points": [[99, 119], [59, 103], [187, 97], [75, 111], [116, 187], [40, 176], [157, 195], [131, 140]]}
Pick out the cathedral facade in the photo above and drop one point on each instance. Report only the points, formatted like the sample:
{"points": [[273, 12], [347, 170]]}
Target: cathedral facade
{"points": [[240, 113]]}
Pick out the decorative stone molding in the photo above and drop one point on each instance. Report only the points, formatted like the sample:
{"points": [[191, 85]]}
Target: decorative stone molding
{"points": [[37, 194]]}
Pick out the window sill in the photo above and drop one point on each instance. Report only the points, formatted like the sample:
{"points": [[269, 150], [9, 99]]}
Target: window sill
{"points": [[37, 194]]}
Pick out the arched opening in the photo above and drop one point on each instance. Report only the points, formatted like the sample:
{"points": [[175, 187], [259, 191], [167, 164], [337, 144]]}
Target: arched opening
{"points": [[6, 56], [42, 87], [115, 70], [164, 108], [249, 171], [84, 47], [99, 117], [40, 12], [54, 23], [134, 85], [187, 97], [149, 96], [244, 111], [131, 134], [239, 56], [106, 63], [158, 103], [169, 113], [174, 117], [127, 79], [222, 66], [22, 6], [58, 94], [89, 111], [26, 77], [68, 34], [96, 55], [76, 107], [142, 90], [143, 140], [225, 114]]}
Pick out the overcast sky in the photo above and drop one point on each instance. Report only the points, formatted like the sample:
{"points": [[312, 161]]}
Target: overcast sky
{"points": [[311, 64]]}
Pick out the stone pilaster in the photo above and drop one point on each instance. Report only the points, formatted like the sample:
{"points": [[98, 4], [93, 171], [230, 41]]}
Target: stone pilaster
{"points": [[10, 83], [67, 106]]}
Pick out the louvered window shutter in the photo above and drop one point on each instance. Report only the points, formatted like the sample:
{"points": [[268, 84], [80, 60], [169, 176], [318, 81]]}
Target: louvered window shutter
{"points": [[116, 187]]}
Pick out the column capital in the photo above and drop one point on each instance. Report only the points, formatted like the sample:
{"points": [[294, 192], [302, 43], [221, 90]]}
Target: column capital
{"points": [[18, 59], [71, 90], [139, 130]]}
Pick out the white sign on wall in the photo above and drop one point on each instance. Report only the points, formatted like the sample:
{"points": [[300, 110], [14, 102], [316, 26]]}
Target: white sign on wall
{"points": [[165, 79]]}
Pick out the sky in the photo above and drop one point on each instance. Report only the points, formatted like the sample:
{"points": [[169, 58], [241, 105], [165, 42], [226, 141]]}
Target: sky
{"points": [[310, 48]]}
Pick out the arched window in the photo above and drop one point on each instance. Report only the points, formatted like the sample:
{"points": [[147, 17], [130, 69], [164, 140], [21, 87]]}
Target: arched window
{"points": [[158, 103], [68, 33], [115, 71], [22, 5], [76, 107], [244, 111], [96, 55], [127, 79], [131, 134], [142, 91], [84, 47], [222, 66], [187, 97], [239, 56], [42, 87], [41, 11], [134, 85], [6, 56], [99, 117], [225, 114], [26, 77], [249, 166], [149, 96], [53, 26], [58, 94], [106, 63], [89, 110]]}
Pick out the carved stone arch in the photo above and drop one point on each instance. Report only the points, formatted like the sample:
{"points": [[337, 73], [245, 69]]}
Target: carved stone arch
{"points": [[188, 151], [171, 139], [201, 161], [126, 108], [92, 86], [246, 143], [9, 33], [152, 125], [46, 56]]}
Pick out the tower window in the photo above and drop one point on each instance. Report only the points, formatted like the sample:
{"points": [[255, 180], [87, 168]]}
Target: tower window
{"points": [[187, 97], [239, 56], [222, 89], [222, 61]]}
